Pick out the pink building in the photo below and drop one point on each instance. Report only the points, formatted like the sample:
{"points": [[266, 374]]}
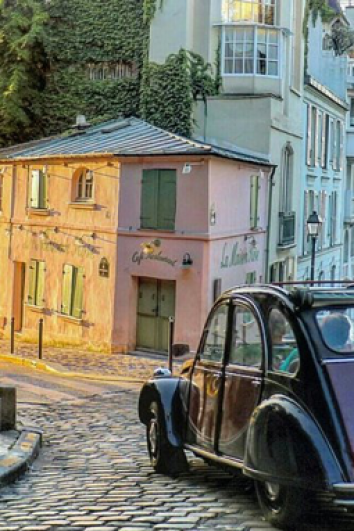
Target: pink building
{"points": [[174, 221]]}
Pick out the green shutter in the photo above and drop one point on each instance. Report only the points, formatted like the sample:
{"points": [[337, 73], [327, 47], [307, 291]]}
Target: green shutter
{"points": [[254, 201], [32, 276], [40, 283], [34, 199], [42, 190], [149, 198], [78, 292], [66, 305], [167, 200]]}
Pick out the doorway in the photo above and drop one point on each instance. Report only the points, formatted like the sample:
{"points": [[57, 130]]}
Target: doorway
{"points": [[19, 294], [156, 303]]}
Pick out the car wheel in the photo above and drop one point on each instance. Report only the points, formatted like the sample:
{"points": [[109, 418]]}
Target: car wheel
{"points": [[165, 458], [282, 506]]}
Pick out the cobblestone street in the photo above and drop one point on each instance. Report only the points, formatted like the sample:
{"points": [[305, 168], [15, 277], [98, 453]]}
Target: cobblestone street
{"points": [[93, 473]]}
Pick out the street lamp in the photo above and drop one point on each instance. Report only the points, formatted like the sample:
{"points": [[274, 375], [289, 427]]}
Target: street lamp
{"points": [[314, 223]]}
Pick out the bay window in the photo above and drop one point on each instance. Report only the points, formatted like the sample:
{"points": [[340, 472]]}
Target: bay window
{"points": [[251, 50], [257, 11]]}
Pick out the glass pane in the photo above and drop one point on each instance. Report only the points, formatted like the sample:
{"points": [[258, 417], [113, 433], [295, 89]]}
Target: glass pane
{"points": [[273, 52], [239, 66], [246, 345], [229, 50], [336, 327], [229, 35], [249, 69], [249, 34], [272, 68], [229, 66], [272, 37], [269, 15], [240, 35], [238, 51], [261, 35], [285, 354], [215, 340], [249, 50]]}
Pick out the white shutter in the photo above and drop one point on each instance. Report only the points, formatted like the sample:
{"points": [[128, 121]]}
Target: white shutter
{"points": [[34, 197], [309, 129], [322, 212], [306, 215], [323, 140], [341, 147], [334, 145], [317, 132], [334, 216]]}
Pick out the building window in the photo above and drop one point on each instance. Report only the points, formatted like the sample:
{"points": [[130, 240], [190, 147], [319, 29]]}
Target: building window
{"points": [[1, 193], [249, 50], [111, 71], [287, 179], [72, 294], [346, 248], [254, 196], [351, 118], [251, 278], [258, 11], [104, 268], [36, 283], [158, 199], [83, 185], [38, 189]]}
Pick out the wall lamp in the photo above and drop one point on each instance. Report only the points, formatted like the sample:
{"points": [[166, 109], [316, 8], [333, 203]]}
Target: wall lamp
{"points": [[187, 261], [150, 247], [188, 166]]}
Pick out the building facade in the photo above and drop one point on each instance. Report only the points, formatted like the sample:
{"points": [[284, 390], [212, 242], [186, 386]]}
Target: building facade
{"points": [[259, 47], [325, 111], [109, 231]]}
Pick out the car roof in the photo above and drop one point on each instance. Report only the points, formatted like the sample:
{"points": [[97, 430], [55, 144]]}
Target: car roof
{"points": [[298, 296]]}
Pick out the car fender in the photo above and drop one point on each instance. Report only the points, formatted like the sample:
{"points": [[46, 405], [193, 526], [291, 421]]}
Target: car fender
{"points": [[286, 445], [166, 392]]}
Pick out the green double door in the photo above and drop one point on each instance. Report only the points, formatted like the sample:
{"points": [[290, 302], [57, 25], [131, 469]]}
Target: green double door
{"points": [[156, 303]]}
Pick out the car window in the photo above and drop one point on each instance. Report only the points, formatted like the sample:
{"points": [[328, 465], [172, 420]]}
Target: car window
{"points": [[337, 329], [285, 353], [215, 340], [246, 344]]}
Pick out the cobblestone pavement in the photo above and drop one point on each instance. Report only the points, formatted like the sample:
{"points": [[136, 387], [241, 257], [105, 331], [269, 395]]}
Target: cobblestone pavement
{"points": [[88, 362], [94, 474]]}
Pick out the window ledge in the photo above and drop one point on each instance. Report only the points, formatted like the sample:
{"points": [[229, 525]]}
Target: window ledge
{"points": [[36, 309], [38, 211], [70, 319], [286, 246], [83, 205]]}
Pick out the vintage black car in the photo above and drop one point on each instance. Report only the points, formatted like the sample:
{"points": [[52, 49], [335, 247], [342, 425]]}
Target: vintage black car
{"points": [[270, 392]]}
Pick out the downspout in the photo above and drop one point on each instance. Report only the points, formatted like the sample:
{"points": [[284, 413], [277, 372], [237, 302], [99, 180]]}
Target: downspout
{"points": [[270, 201]]}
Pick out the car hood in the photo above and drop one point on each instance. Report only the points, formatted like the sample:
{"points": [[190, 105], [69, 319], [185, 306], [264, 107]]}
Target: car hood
{"points": [[341, 376]]}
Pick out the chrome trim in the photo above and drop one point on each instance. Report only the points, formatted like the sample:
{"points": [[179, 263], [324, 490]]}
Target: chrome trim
{"points": [[344, 487], [330, 361], [204, 453], [344, 503]]}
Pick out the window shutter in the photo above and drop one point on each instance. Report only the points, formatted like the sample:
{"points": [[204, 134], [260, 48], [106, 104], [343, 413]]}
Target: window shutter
{"points": [[149, 199], [329, 224], [67, 289], [323, 140], [317, 139], [334, 146], [309, 129], [322, 212], [78, 292], [306, 215], [40, 284], [42, 190], [166, 213], [34, 198], [334, 217], [254, 201], [32, 275], [341, 147]]}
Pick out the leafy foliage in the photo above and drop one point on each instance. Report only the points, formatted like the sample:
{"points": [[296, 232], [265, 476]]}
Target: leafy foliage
{"points": [[22, 68]]}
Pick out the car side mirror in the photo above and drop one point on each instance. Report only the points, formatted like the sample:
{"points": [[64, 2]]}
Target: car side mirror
{"points": [[179, 350]]}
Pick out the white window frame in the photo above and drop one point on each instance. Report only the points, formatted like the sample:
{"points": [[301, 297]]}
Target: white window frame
{"points": [[226, 8], [255, 73]]}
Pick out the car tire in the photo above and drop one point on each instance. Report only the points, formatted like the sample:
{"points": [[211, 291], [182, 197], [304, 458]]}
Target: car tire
{"points": [[282, 506], [165, 458]]}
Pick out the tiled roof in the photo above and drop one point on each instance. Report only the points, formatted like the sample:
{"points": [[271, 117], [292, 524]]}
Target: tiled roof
{"points": [[124, 138]]}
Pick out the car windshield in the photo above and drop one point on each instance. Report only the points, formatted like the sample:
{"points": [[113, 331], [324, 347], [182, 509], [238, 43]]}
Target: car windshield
{"points": [[337, 329]]}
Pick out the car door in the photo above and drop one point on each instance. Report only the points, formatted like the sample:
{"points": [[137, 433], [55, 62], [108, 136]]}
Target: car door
{"points": [[206, 382], [243, 378]]}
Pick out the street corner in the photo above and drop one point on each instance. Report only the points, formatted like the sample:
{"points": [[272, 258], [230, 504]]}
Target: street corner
{"points": [[20, 455]]}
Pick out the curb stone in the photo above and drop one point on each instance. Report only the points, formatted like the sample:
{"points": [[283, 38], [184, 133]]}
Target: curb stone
{"points": [[20, 456]]}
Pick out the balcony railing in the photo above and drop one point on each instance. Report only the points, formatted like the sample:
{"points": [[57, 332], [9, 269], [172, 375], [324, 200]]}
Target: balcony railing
{"points": [[287, 222], [349, 206]]}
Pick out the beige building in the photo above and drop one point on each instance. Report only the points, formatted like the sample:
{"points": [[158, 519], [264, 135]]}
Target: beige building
{"points": [[260, 48], [107, 232]]}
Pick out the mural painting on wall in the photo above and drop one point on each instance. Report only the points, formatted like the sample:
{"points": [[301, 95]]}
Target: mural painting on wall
{"points": [[238, 256]]}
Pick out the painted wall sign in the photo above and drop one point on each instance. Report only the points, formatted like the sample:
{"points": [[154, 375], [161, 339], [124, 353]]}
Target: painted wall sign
{"points": [[238, 256], [138, 257]]}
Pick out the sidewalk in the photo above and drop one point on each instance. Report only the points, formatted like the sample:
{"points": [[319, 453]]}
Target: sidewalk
{"points": [[96, 365]]}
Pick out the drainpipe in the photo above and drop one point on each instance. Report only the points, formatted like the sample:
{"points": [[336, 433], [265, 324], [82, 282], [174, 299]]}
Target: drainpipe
{"points": [[270, 201]]}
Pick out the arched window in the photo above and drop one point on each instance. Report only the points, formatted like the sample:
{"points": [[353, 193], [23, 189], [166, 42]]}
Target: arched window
{"points": [[83, 185], [104, 268], [286, 202]]}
